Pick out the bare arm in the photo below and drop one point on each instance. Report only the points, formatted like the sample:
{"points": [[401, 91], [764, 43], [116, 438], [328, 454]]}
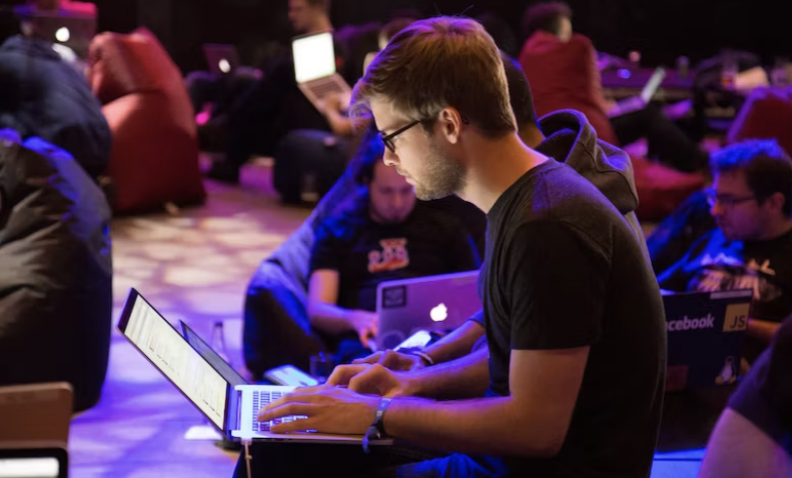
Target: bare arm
{"points": [[340, 124], [457, 344], [325, 315], [738, 449], [532, 421], [762, 330]]}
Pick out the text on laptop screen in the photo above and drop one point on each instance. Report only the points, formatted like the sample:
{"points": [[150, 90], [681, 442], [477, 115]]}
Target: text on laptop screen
{"points": [[29, 468], [314, 57], [171, 353]]}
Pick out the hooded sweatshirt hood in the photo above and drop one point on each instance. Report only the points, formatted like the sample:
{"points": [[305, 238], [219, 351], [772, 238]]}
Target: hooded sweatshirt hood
{"points": [[570, 139]]}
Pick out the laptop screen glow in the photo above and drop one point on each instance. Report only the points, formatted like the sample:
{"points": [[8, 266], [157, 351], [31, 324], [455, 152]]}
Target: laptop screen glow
{"points": [[652, 86], [314, 57], [29, 468], [174, 357]]}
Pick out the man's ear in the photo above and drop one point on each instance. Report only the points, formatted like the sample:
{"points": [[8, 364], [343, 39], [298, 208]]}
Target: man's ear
{"points": [[777, 201], [451, 124]]}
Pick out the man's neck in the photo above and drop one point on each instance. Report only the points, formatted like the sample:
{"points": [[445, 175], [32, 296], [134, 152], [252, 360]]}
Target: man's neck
{"points": [[778, 229], [321, 25], [495, 166]]}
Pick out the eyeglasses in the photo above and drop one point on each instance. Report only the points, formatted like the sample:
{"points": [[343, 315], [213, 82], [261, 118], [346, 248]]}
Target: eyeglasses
{"points": [[388, 140], [725, 200]]}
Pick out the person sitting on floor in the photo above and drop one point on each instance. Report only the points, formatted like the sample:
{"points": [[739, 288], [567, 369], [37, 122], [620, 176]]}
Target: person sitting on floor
{"points": [[562, 68], [567, 137], [560, 304], [43, 96], [753, 438], [751, 201], [382, 234]]}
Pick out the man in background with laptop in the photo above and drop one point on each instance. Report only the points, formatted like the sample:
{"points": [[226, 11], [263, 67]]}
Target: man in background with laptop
{"points": [[560, 306], [382, 234], [751, 201], [562, 69]]}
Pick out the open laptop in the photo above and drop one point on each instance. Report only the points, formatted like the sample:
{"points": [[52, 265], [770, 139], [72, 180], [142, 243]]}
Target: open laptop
{"points": [[435, 303], [315, 69], [285, 375], [706, 332], [37, 412], [637, 103], [232, 409], [33, 460], [222, 59]]}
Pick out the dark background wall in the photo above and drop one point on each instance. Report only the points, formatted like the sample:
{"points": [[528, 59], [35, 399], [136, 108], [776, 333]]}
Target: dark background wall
{"points": [[660, 29]]}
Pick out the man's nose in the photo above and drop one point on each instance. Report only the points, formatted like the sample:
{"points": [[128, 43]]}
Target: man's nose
{"points": [[716, 209], [398, 201], [390, 158]]}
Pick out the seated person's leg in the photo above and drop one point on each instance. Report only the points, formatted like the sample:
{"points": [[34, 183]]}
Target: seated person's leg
{"points": [[203, 87], [666, 140]]}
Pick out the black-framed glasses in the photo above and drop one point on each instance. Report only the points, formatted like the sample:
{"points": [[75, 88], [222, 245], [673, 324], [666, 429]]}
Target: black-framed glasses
{"points": [[726, 200], [388, 140]]}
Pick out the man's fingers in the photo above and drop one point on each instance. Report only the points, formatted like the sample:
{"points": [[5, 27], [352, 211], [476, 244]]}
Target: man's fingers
{"points": [[368, 381], [344, 373], [302, 425], [286, 410], [302, 395]]}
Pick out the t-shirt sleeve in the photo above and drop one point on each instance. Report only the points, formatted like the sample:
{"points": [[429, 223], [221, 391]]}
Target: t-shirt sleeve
{"points": [[557, 285], [326, 252], [478, 317]]}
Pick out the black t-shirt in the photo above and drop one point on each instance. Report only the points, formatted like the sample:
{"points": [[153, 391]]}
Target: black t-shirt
{"points": [[715, 263], [765, 395], [366, 253], [563, 270]]}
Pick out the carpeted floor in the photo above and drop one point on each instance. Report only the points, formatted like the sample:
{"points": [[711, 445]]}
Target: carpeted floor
{"points": [[194, 265]]}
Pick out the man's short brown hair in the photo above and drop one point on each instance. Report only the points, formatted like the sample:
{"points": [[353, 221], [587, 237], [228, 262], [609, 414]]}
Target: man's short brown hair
{"points": [[437, 63], [323, 4]]}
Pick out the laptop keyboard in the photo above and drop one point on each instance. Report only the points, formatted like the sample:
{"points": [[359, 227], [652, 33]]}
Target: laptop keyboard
{"points": [[325, 86], [262, 398]]}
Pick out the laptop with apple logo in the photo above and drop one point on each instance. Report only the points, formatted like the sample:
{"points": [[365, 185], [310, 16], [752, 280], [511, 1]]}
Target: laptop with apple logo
{"points": [[433, 303]]}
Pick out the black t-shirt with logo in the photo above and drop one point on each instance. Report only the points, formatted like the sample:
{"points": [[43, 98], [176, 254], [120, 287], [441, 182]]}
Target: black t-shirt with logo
{"points": [[765, 395], [366, 253], [563, 270], [715, 263]]}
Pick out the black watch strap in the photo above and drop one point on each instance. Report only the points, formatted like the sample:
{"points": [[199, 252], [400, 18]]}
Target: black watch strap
{"points": [[377, 429]]}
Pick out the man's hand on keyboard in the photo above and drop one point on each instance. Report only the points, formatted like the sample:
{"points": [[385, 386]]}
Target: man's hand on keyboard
{"points": [[372, 379], [329, 410]]}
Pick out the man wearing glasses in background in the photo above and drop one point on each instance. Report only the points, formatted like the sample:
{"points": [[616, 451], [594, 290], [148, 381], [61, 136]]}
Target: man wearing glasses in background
{"points": [[751, 201]]}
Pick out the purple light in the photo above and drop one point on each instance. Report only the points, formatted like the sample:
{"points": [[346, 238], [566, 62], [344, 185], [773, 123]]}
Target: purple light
{"points": [[624, 73]]}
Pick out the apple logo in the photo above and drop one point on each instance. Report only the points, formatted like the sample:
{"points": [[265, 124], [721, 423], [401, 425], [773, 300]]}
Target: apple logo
{"points": [[439, 313]]}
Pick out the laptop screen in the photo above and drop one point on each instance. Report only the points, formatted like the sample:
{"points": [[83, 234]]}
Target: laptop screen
{"points": [[653, 85], [29, 468], [314, 57], [34, 462], [159, 341], [231, 376]]}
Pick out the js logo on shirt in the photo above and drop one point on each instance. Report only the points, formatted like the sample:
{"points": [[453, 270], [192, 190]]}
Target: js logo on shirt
{"points": [[393, 256]]}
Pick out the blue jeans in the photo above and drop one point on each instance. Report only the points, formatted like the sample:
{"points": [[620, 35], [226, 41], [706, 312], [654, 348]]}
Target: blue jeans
{"points": [[309, 460]]}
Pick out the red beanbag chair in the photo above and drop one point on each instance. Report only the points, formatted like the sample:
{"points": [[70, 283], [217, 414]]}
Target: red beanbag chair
{"points": [[154, 159], [661, 189], [766, 114]]}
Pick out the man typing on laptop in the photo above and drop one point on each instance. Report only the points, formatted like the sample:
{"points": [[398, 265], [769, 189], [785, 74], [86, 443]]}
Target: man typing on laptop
{"points": [[555, 330], [382, 234], [751, 201]]}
